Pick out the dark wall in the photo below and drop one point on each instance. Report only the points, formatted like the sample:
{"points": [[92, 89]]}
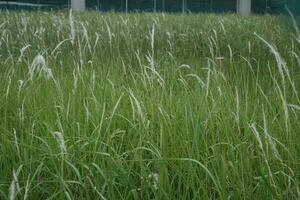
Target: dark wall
{"points": [[166, 5], [276, 6], [258, 6]]}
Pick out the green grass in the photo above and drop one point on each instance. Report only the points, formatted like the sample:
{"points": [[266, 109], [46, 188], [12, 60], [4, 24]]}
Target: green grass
{"points": [[149, 106]]}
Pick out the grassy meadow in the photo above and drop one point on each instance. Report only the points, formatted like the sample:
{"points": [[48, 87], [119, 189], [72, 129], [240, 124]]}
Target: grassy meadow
{"points": [[149, 106]]}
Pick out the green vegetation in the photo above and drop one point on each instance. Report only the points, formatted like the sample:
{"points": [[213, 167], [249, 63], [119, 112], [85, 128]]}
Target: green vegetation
{"points": [[149, 106]]}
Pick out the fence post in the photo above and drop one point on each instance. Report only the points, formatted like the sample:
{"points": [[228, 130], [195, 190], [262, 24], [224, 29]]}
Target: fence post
{"points": [[78, 5], [183, 6], [244, 7]]}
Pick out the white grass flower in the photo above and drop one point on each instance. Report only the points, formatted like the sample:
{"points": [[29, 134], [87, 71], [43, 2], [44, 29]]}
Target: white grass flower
{"points": [[40, 67], [153, 180], [72, 27], [14, 187], [61, 141], [8, 87], [22, 50], [110, 34], [59, 45], [136, 107], [20, 84]]}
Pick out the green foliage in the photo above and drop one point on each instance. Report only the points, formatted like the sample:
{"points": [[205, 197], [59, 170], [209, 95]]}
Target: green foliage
{"points": [[148, 106]]}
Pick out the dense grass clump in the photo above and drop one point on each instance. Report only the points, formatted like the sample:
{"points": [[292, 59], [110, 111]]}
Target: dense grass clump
{"points": [[149, 106]]}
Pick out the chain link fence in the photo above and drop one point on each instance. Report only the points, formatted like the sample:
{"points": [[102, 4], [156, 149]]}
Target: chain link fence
{"points": [[216, 6]]}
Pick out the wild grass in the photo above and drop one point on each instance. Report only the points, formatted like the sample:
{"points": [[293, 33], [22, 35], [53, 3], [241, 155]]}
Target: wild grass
{"points": [[149, 106]]}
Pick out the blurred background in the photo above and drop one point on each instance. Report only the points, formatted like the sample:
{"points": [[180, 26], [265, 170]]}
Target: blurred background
{"points": [[215, 6]]}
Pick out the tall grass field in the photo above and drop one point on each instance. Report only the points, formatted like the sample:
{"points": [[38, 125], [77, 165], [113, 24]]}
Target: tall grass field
{"points": [[149, 106]]}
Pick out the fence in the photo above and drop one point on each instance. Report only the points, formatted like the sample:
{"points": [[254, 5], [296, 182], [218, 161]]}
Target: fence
{"points": [[218, 6]]}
